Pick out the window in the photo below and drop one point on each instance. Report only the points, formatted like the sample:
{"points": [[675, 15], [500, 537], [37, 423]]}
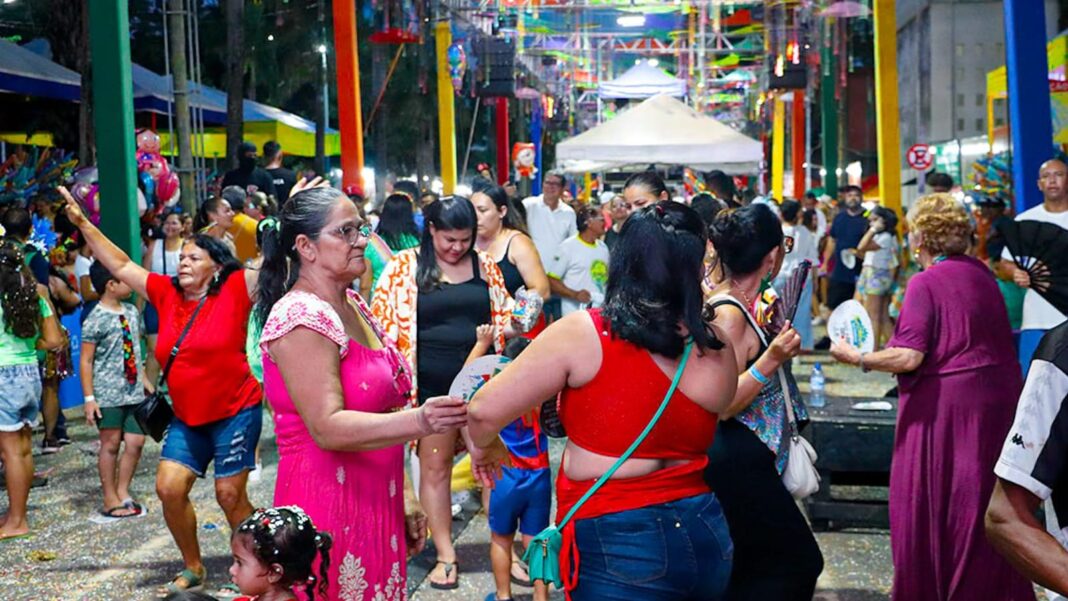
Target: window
{"points": [[999, 122], [960, 73], [979, 125], [960, 99], [960, 49], [980, 99], [960, 124]]}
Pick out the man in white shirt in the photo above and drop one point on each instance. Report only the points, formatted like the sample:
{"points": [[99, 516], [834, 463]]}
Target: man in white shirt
{"points": [[550, 221], [1033, 469], [811, 202], [1038, 315], [579, 272]]}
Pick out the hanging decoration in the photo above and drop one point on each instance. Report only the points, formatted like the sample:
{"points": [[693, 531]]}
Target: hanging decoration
{"points": [[523, 157], [457, 66]]}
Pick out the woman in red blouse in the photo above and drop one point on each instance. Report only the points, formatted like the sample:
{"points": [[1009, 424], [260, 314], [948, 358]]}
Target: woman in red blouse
{"points": [[216, 400]]}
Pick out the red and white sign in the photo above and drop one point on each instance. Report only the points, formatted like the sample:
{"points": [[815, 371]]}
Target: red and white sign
{"points": [[920, 157]]}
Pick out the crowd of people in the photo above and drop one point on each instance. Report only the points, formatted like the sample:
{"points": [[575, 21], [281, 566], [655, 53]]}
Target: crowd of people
{"points": [[654, 355]]}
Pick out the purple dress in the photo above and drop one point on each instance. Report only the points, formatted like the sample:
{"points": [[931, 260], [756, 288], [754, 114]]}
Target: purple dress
{"points": [[358, 497], [953, 413]]}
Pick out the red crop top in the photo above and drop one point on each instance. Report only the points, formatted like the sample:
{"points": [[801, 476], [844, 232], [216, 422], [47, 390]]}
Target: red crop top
{"points": [[606, 415]]}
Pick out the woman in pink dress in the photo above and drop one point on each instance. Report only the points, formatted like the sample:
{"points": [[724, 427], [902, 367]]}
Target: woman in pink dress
{"points": [[338, 389]]}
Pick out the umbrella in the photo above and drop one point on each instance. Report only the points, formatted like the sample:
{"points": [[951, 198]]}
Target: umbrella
{"points": [[846, 9]]}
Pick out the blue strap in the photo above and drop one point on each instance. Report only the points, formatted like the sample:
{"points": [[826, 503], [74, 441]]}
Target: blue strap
{"points": [[638, 441]]}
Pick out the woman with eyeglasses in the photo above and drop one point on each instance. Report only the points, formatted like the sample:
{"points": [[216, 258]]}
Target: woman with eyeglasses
{"points": [[430, 301], [339, 388]]}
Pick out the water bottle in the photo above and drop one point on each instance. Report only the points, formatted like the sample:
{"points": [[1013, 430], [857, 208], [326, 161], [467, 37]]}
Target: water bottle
{"points": [[816, 383]]}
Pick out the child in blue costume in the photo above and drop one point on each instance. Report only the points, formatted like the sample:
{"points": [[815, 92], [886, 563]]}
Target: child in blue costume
{"points": [[522, 497]]}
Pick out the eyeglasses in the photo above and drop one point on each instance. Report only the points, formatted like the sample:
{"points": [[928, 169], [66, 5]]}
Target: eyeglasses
{"points": [[788, 244], [351, 234]]}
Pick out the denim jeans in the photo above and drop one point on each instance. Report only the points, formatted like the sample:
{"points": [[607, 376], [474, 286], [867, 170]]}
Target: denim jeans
{"points": [[678, 551]]}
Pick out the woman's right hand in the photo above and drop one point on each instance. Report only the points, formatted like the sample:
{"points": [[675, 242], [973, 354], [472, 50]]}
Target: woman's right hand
{"points": [[442, 414], [786, 345], [73, 209]]}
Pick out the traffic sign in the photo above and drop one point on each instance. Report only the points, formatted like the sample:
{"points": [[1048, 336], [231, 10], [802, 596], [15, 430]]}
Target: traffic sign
{"points": [[920, 157]]}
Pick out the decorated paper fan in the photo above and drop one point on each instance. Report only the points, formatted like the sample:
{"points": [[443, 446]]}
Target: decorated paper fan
{"points": [[475, 374], [851, 325], [794, 287]]}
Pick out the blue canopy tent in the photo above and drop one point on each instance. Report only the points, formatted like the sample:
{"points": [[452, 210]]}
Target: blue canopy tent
{"points": [[22, 71]]}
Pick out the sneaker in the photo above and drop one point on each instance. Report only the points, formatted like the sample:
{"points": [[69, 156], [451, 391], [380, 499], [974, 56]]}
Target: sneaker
{"points": [[63, 440], [49, 447]]}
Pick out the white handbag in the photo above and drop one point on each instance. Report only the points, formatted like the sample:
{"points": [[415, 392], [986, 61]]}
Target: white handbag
{"points": [[800, 476]]}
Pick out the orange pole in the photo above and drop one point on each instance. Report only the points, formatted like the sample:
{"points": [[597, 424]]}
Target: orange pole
{"points": [[350, 119], [797, 144]]}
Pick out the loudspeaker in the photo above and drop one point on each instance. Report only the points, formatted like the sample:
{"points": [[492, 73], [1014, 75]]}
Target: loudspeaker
{"points": [[496, 66], [794, 77]]}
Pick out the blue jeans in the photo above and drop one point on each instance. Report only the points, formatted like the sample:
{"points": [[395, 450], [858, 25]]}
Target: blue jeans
{"points": [[229, 442], [676, 551]]}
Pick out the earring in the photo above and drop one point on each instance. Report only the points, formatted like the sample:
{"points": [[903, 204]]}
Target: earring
{"points": [[216, 277]]}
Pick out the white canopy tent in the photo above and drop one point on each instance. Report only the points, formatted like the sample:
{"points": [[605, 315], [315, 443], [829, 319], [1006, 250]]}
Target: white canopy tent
{"points": [[642, 81], [660, 130]]}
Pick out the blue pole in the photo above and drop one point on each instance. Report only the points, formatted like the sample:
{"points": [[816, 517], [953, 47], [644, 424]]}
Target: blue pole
{"points": [[1030, 118], [535, 136]]}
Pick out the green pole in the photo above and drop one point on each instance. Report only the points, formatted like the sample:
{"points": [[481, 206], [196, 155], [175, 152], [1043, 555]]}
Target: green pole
{"points": [[109, 41], [829, 121]]}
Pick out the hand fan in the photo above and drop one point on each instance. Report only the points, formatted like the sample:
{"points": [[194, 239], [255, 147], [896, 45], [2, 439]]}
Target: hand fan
{"points": [[794, 287], [1041, 249], [475, 374], [851, 325]]}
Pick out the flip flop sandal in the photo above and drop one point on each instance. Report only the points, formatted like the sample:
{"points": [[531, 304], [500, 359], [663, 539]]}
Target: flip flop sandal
{"points": [[114, 512], [194, 583], [131, 504], [4, 539], [494, 597], [518, 581], [449, 569], [227, 591]]}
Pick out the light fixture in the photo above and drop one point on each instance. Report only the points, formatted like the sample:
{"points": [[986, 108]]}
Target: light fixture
{"points": [[653, 62], [270, 37], [631, 21], [322, 49]]}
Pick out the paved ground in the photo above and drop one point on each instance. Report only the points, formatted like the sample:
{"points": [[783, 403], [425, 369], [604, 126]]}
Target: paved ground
{"points": [[71, 558]]}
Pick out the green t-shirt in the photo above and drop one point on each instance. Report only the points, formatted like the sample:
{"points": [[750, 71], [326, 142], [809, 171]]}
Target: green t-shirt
{"points": [[19, 351]]}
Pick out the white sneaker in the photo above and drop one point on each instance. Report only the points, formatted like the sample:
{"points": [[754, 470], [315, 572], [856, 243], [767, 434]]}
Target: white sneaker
{"points": [[256, 473]]}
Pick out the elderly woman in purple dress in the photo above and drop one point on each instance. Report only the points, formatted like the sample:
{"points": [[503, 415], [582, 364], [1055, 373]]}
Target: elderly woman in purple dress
{"points": [[959, 381]]}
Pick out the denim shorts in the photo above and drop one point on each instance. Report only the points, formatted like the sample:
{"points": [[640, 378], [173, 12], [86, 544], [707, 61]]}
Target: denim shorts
{"points": [[677, 551], [20, 392], [521, 498], [230, 443]]}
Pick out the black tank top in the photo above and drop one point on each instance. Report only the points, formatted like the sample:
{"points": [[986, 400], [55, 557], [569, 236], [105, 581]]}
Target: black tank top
{"points": [[513, 280]]}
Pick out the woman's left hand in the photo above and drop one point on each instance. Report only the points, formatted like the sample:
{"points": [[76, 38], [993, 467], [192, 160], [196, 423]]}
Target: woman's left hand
{"points": [[415, 525], [845, 353], [486, 462]]}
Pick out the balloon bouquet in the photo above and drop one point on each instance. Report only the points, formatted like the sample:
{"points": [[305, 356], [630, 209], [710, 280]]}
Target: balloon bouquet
{"points": [[24, 174], [158, 188]]}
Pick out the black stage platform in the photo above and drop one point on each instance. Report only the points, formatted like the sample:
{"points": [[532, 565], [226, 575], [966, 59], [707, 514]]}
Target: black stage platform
{"points": [[854, 449]]}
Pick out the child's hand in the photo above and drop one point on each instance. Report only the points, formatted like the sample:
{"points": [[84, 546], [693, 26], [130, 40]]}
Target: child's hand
{"points": [[92, 413], [484, 335]]}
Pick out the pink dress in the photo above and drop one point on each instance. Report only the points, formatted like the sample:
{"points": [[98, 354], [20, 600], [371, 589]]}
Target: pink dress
{"points": [[358, 497]]}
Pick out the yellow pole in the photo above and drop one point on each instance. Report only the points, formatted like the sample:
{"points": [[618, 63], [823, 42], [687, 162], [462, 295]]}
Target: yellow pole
{"points": [[990, 122], [587, 184], [446, 109], [778, 146], [886, 105]]}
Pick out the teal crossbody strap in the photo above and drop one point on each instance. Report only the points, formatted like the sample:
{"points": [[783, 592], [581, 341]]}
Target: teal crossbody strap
{"points": [[638, 441]]}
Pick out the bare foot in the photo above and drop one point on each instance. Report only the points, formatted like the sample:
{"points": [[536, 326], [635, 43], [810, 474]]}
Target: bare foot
{"points": [[13, 531]]}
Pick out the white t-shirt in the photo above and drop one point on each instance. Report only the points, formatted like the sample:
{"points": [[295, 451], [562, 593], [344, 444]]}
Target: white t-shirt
{"points": [[549, 227], [81, 268], [1038, 314], [1032, 456], [821, 224], [884, 258], [804, 248], [581, 266]]}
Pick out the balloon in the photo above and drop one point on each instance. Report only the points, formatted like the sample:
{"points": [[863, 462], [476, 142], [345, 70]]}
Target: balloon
{"points": [[523, 159], [147, 184], [88, 175], [148, 141], [142, 203], [166, 187], [173, 200], [92, 203], [457, 65]]}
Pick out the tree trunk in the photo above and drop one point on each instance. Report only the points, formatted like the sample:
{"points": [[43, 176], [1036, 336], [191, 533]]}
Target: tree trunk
{"points": [[86, 131], [183, 120], [235, 76], [320, 106]]}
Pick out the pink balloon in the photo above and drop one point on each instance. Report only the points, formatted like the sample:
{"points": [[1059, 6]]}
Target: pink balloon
{"points": [[148, 141], [166, 186]]}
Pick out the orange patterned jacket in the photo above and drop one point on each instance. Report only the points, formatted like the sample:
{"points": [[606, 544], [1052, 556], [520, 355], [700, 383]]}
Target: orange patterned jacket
{"points": [[394, 305]]}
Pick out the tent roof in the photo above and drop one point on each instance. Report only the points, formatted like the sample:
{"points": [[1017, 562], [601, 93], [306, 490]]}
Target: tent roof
{"points": [[666, 131], [23, 71], [642, 81]]}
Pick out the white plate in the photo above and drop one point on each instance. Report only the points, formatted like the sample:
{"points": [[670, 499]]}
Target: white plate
{"points": [[851, 325]]}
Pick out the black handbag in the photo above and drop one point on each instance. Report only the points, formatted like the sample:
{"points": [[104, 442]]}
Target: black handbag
{"points": [[154, 414]]}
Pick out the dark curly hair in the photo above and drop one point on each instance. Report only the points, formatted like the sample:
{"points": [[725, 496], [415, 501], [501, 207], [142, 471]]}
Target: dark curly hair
{"points": [[220, 255], [285, 536], [19, 291]]}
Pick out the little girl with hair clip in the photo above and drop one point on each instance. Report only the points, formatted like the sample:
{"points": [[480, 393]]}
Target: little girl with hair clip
{"points": [[274, 552]]}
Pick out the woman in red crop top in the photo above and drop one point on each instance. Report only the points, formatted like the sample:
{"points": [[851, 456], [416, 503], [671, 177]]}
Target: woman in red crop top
{"points": [[654, 531]]}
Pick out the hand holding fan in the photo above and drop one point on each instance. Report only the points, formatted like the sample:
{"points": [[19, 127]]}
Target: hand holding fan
{"points": [[1041, 249], [851, 325], [475, 374]]}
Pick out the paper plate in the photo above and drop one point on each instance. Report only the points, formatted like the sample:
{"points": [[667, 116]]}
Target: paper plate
{"points": [[848, 259], [850, 324], [475, 374]]}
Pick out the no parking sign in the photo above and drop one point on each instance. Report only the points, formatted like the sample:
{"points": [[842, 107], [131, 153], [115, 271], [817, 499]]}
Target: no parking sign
{"points": [[920, 157]]}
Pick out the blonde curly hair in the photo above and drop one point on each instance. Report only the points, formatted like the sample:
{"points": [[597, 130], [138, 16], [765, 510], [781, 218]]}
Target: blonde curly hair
{"points": [[944, 224]]}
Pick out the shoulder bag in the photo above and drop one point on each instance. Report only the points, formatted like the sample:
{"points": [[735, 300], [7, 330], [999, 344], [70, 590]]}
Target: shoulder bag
{"points": [[800, 476], [154, 414], [543, 554]]}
